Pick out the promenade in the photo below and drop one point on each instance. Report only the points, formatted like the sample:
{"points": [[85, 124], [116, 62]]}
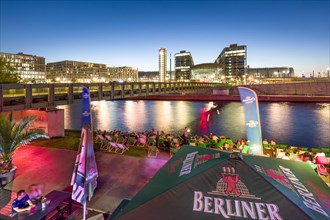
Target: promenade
{"points": [[119, 176]]}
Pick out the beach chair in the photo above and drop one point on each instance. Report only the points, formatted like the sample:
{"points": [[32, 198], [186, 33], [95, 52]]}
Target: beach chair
{"points": [[161, 143], [153, 149], [99, 138], [121, 140], [108, 137], [173, 151], [325, 150], [221, 142], [104, 145], [103, 141], [245, 149], [200, 144], [151, 141], [283, 146], [142, 142], [121, 148], [112, 147], [304, 149], [315, 150], [131, 141]]}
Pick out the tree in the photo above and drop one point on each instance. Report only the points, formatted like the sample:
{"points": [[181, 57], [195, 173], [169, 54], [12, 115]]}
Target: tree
{"points": [[8, 73], [15, 134]]}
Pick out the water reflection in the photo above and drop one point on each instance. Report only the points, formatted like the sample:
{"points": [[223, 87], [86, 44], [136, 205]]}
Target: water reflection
{"points": [[299, 124], [277, 115]]}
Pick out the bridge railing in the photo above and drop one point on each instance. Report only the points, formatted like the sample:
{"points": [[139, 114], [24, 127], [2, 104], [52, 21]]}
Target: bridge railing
{"points": [[30, 96]]}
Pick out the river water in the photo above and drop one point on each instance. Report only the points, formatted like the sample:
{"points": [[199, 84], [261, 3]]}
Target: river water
{"points": [[297, 124]]}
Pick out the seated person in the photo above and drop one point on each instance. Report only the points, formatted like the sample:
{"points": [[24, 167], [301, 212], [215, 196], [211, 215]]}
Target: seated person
{"points": [[286, 156], [21, 203], [35, 193], [318, 154]]}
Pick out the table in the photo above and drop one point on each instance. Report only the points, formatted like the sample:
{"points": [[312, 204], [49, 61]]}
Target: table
{"points": [[56, 203]]}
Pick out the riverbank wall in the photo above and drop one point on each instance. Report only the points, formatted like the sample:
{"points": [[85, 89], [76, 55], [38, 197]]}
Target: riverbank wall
{"points": [[292, 92]]}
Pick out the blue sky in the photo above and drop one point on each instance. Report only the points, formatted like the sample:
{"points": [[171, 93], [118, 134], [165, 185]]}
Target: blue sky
{"points": [[129, 33]]}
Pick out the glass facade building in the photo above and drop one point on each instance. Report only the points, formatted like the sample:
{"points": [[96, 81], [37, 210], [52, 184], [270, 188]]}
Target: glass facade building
{"points": [[162, 64], [29, 67], [183, 64], [207, 72], [234, 59], [271, 72]]}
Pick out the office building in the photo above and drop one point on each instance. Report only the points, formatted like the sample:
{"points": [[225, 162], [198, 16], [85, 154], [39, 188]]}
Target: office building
{"points": [[76, 71], [183, 64], [29, 67], [125, 73], [271, 72], [234, 60], [162, 64], [152, 76]]}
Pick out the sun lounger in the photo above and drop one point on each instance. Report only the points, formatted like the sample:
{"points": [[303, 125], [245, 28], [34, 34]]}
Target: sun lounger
{"points": [[103, 141], [153, 149], [112, 147], [245, 149], [173, 151], [108, 137], [121, 148], [99, 138]]}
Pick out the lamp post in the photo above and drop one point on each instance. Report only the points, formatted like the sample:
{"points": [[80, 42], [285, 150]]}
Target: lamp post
{"points": [[328, 72]]}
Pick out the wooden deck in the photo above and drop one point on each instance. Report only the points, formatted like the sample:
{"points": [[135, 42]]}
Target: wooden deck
{"points": [[7, 197]]}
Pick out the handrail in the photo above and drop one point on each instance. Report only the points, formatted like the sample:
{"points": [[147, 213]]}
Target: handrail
{"points": [[29, 96]]}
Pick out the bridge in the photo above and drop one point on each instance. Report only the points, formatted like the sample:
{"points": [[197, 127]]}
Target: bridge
{"points": [[14, 97]]}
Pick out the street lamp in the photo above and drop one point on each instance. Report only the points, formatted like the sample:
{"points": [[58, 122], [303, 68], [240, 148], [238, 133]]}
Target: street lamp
{"points": [[328, 72]]}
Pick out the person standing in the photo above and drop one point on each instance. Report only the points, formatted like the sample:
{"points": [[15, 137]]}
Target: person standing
{"points": [[185, 135]]}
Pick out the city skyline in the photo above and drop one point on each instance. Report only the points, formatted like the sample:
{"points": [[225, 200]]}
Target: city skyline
{"points": [[130, 33]]}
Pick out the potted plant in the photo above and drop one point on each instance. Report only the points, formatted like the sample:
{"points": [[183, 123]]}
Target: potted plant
{"points": [[12, 135]]}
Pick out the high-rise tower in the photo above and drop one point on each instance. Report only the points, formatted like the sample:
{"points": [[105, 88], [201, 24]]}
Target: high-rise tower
{"points": [[183, 64], [234, 60], [162, 64]]}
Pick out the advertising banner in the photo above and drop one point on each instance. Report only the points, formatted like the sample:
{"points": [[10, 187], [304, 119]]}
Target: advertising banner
{"points": [[249, 101]]}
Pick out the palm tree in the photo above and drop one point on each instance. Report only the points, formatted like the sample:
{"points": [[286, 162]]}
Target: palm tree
{"points": [[15, 134]]}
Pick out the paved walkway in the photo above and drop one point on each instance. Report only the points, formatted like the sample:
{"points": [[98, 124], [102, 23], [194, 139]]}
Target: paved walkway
{"points": [[120, 176]]}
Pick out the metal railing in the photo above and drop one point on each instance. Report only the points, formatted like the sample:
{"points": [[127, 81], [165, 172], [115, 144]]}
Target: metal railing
{"points": [[31, 96]]}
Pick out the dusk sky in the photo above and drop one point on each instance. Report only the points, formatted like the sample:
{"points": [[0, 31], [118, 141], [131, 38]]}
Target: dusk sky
{"points": [[130, 33]]}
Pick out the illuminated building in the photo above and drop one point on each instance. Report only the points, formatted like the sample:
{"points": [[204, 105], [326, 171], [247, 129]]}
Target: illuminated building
{"points": [[234, 59], [271, 72], [207, 72], [149, 76], [124, 73], [76, 71], [29, 67], [162, 64], [183, 64]]}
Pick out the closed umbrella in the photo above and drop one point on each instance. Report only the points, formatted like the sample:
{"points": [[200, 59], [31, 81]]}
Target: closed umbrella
{"points": [[85, 170]]}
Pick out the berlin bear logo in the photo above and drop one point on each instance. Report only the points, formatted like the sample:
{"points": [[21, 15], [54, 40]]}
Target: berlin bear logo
{"points": [[230, 184]]}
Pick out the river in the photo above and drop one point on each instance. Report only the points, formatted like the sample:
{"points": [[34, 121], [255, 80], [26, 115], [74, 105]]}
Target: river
{"points": [[296, 124]]}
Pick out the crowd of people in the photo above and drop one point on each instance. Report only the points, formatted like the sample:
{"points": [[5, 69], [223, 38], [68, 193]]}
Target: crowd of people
{"points": [[212, 140]]}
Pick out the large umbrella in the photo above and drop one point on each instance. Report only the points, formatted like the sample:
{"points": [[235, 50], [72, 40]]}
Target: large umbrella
{"points": [[199, 183], [85, 171]]}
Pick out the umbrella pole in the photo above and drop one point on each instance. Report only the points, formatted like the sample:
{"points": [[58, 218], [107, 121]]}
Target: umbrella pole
{"points": [[85, 209]]}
